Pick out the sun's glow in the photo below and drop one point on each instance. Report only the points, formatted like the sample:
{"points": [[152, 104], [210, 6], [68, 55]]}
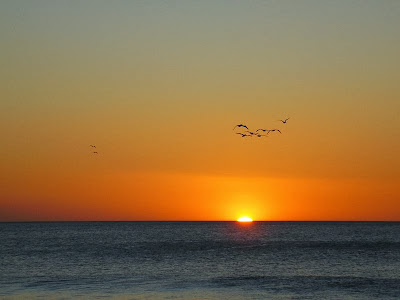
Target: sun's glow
{"points": [[245, 219]]}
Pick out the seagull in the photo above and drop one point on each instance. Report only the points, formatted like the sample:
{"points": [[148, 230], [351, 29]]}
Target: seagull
{"points": [[242, 134], [274, 130], [240, 125], [284, 121], [93, 146]]}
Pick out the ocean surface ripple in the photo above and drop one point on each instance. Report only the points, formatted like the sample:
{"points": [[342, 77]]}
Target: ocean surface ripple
{"points": [[200, 260]]}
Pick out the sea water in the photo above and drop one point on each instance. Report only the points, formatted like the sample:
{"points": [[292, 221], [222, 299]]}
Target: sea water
{"points": [[200, 260]]}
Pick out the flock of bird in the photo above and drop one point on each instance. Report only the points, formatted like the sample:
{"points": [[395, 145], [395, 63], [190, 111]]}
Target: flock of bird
{"points": [[257, 133], [93, 146], [247, 133]]}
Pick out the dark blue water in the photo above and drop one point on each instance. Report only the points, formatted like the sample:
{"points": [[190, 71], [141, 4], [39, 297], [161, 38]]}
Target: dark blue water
{"points": [[200, 260]]}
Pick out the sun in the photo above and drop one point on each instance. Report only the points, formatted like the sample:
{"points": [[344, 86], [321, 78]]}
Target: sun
{"points": [[245, 219]]}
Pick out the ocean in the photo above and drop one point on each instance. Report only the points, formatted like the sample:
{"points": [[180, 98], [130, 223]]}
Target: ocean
{"points": [[200, 260]]}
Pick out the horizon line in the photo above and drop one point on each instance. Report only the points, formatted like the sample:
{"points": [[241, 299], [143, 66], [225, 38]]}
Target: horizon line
{"points": [[231, 221]]}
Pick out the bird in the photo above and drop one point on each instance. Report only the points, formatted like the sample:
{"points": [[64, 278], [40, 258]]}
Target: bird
{"points": [[240, 125], [274, 130], [284, 121], [93, 146], [95, 152], [242, 134], [264, 130], [251, 133], [260, 135]]}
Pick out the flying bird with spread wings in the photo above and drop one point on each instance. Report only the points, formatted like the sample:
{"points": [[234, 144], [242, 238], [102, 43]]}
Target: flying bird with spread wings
{"points": [[274, 130], [93, 146], [251, 132], [242, 134], [284, 121], [240, 125]]}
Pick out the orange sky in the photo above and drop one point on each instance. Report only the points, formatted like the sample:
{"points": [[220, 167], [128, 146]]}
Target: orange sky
{"points": [[158, 88]]}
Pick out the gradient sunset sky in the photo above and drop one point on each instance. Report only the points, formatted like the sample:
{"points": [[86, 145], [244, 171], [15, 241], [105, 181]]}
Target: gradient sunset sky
{"points": [[158, 87]]}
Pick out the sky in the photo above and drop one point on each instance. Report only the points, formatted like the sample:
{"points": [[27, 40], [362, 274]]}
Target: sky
{"points": [[158, 86]]}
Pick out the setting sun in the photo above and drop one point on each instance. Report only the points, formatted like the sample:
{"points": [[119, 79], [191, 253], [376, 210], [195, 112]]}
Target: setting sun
{"points": [[245, 219]]}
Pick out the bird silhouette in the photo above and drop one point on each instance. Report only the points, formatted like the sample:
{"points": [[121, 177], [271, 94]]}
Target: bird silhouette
{"points": [[240, 125], [274, 130], [260, 135], [251, 133], [93, 146], [95, 152], [284, 121], [264, 130], [242, 134]]}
